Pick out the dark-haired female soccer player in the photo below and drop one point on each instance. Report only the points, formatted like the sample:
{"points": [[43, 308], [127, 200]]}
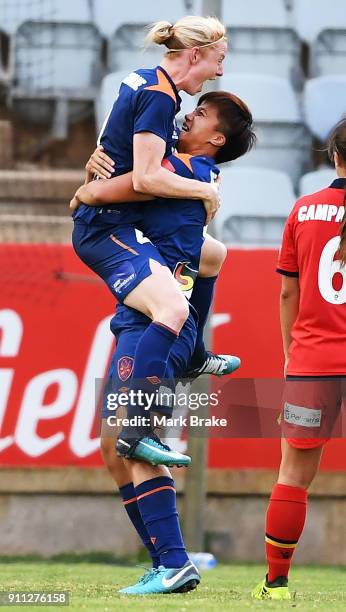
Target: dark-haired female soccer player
{"points": [[313, 324], [220, 129], [138, 133]]}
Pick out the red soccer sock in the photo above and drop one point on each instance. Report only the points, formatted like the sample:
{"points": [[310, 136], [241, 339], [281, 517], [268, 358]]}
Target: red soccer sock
{"points": [[284, 525]]}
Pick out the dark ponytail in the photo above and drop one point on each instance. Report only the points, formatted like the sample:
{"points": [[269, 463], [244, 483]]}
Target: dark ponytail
{"points": [[337, 144]]}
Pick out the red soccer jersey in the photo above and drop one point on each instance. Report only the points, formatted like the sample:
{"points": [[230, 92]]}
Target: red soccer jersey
{"points": [[309, 251]]}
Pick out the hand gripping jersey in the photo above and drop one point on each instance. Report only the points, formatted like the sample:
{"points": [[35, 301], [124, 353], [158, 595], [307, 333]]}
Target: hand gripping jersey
{"points": [[147, 101], [310, 251]]}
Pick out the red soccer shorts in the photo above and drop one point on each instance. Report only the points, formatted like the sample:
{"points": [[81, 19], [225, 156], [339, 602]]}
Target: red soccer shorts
{"points": [[311, 413]]}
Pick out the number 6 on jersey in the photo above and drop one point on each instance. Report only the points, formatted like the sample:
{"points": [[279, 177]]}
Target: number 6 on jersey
{"points": [[327, 269]]}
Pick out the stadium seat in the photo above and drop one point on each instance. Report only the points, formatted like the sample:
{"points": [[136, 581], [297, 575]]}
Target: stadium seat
{"points": [[284, 142], [328, 53], [108, 92], [126, 51], [267, 50], [13, 14], [254, 206], [261, 39], [314, 181], [324, 103], [254, 14], [108, 16], [56, 71], [310, 17]]}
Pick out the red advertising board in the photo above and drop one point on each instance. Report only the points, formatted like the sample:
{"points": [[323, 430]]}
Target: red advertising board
{"points": [[55, 340]]}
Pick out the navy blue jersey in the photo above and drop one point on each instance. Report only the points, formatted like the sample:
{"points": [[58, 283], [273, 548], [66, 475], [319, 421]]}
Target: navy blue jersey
{"points": [[169, 231], [147, 101], [175, 226]]}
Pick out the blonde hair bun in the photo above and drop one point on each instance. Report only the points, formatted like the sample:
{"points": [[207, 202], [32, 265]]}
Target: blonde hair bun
{"points": [[190, 31], [160, 33]]}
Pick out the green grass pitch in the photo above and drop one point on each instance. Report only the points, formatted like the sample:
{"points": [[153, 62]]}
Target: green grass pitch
{"points": [[93, 582]]}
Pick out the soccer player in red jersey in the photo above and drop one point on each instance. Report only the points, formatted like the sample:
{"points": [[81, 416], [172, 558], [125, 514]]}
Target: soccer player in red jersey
{"points": [[313, 324]]}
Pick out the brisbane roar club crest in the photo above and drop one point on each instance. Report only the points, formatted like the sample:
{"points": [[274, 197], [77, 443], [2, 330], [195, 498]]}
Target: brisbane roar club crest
{"points": [[186, 277], [125, 367]]}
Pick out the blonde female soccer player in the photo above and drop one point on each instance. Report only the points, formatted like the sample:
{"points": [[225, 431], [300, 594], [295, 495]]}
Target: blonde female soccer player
{"points": [[138, 133]]}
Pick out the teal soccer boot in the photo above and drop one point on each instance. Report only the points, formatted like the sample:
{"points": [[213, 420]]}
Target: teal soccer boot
{"points": [[152, 450], [166, 580]]}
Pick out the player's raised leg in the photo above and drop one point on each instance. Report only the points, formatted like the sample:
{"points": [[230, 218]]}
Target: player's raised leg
{"points": [[136, 438], [213, 255]]}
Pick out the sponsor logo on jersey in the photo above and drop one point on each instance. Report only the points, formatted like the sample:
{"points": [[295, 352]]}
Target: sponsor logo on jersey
{"points": [[154, 380], [186, 276], [125, 367], [134, 81], [302, 416], [119, 285]]}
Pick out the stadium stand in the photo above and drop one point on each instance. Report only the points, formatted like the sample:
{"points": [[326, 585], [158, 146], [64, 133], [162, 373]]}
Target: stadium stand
{"points": [[328, 53], [267, 13], [59, 62], [284, 142], [314, 181], [109, 17], [254, 206], [126, 51], [13, 14], [324, 103], [48, 41], [310, 18], [261, 38]]}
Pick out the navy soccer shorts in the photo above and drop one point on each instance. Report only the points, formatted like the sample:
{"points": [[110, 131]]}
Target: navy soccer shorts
{"points": [[120, 255], [128, 326]]}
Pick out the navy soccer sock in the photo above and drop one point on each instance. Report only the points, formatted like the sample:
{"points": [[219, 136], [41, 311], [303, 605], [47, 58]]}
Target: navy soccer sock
{"points": [[128, 495], [150, 362], [156, 500], [201, 299]]}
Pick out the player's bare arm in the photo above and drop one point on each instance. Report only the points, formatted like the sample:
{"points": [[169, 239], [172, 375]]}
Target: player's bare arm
{"points": [[118, 189], [289, 306], [149, 177]]}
